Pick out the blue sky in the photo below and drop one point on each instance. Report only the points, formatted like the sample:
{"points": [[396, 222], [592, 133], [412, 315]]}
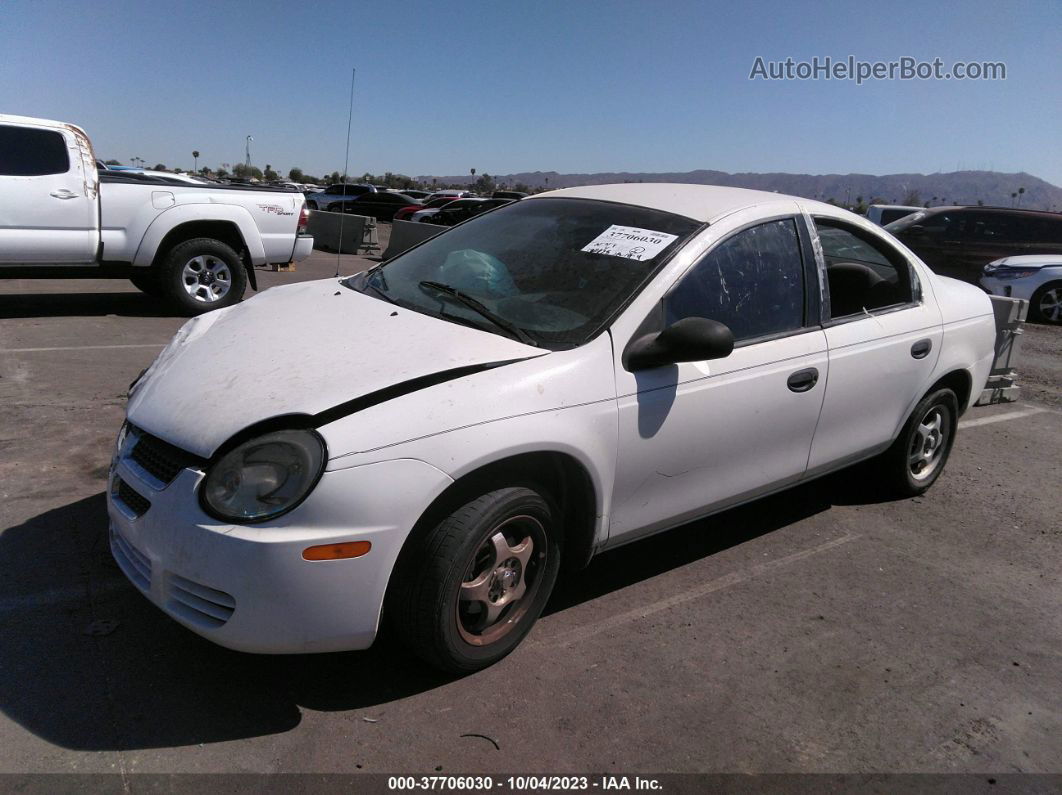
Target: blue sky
{"points": [[516, 85]]}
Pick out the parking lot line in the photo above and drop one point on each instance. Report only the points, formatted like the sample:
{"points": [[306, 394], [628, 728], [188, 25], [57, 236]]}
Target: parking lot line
{"points": [[726, 581], [84, 348], [1007, 415]]}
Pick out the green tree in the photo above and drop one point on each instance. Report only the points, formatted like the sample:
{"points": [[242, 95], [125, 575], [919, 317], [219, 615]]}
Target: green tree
{"points": [[1021, 192], [111, 163], [296, 175], [270, 174], [221, 173], [160, 167], [195, 160], [244, 171], [912, 199]]}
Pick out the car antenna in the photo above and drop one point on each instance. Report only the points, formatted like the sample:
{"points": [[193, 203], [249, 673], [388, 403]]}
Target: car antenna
{"points": [[346, 165]]}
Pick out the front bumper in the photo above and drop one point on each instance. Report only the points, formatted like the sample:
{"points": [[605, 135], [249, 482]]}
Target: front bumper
{"points": [[303, 248], [247, 587]]}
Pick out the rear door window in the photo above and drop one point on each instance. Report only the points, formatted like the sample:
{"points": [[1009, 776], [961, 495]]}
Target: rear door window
{"points": [[31, 152], [862, 273]]}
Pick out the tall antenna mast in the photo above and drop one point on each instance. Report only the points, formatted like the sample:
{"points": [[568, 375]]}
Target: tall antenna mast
{"points": [[346, 165]]}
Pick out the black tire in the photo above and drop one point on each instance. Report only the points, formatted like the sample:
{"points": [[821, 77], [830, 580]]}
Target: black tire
{"points": [[146, 281], [425, 608], [1036, 313], [901, 475], [218, 258]]}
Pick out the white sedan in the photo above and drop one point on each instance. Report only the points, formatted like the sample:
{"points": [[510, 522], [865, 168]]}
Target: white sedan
{"points": [[1036, 278], [428, 441]]}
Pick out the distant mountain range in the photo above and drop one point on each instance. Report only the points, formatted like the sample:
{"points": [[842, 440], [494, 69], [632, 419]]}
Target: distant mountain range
{"points": [[956, 187]]}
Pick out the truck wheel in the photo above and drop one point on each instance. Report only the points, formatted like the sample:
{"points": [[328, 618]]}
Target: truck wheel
{"points": [[202, 274], [475, 583], [146, 281], [1045, 306], [917, 457]]}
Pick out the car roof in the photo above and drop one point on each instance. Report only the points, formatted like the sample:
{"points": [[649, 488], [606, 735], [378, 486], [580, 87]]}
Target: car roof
{"points": [[699, 202]]}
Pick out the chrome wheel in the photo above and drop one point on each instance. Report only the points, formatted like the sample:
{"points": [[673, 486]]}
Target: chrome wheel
{"points": [[1050, 305], [929, 442], [501, 580], [206, 278]]}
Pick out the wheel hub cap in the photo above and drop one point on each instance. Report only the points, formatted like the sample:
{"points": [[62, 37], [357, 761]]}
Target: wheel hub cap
{"points": [[927, 445], [206, 279], [499, 583]]}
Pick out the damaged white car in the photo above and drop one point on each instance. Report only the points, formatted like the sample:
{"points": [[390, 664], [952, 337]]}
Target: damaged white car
{"points": [[428, 443]]}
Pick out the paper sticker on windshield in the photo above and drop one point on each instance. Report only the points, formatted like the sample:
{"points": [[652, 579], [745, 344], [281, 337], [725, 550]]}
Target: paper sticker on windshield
{"points": [[630, 242]]}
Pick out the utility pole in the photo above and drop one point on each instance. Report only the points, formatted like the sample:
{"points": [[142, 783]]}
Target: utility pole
{"points": [[249, 140]]}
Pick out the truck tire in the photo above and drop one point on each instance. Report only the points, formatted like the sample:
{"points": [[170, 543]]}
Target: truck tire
{"points": [[202, 274], [471, 588], [917, 457], [146, 280]]}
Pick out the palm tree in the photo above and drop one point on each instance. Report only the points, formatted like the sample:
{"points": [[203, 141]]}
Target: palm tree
{"points": [[195, 159], [1013, 199], [1021, 192]]}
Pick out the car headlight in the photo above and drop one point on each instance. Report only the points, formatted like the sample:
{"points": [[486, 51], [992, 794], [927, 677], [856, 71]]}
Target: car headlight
{"points": [[264, 477], [1013, 274], [119, 443]]}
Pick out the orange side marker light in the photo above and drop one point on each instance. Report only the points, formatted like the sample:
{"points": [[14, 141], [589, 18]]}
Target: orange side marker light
{"points": [[348, 549]]}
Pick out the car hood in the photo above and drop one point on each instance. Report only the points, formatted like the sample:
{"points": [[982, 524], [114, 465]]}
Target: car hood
{"points": [[303, 349], [1027, 262]]}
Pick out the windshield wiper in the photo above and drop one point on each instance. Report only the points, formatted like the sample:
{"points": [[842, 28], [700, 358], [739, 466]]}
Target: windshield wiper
{"points": [[480, 309]]}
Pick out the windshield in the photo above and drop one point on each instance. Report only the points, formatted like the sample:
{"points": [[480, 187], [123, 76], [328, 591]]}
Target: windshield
{"points": [[555, 269], [908, 220]]}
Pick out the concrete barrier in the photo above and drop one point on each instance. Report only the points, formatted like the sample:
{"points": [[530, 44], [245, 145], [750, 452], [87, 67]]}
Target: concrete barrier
{"points": [[406, 234], [325, 228], [1002, 386]]}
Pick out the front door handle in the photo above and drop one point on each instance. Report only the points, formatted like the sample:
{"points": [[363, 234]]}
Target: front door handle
{"points": [[921, 349], [63, 193], [803, 380]]}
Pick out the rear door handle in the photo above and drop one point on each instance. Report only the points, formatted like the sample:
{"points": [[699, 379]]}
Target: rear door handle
{"points": [[63, 193], [921, 349], [803, 380]]}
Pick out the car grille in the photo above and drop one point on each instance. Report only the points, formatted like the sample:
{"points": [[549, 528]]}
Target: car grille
{"points": [[131, 498], [199, 604], [161, 459], [135, 566]]}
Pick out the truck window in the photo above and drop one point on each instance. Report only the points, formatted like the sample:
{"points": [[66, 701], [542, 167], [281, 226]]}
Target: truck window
{"points": [[30, 152]]}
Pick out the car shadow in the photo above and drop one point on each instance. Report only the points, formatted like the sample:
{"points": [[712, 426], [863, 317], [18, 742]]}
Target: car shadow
{"points": [[83, 304], [71, 676]]}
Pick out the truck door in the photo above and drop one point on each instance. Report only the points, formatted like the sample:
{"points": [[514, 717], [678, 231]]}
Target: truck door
{"points": [[49, 208]]}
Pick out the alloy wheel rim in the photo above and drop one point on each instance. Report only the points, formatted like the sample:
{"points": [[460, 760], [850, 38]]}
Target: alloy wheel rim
{"points": [[1051, 304], [929, 442], [501, 580], [206, 279]]}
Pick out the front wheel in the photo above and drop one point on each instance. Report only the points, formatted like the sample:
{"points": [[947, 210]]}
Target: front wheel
{"points": [[202, 274], [474, 585], [917, 457], [1046, 303]]}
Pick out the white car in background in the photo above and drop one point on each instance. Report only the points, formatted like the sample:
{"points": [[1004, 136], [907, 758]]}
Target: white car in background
{"points": [[1036, 278], [428, 440]]}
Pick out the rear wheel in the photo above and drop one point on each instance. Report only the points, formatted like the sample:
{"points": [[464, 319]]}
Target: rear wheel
{"points": [[476, 583], [1046, 303], [202, 274], [917, 457]]}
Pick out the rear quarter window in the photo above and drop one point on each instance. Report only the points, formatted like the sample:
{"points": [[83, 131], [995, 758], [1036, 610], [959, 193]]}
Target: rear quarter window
{"points": [[30, 152]]}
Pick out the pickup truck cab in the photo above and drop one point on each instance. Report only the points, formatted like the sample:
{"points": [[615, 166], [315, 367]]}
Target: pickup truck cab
{"points": [[427, 441], [193, 243]]}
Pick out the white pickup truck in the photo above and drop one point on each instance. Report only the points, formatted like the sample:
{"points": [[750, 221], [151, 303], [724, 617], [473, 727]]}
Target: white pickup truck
{"points": [[193, 243]]}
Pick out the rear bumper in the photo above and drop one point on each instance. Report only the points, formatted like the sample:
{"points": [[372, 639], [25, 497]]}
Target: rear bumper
{"points": [[247, 587], [303, 248]]}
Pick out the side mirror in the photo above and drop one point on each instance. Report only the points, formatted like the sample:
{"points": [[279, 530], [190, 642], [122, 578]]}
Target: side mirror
{"points": [[916, 230], [692, 339]]}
